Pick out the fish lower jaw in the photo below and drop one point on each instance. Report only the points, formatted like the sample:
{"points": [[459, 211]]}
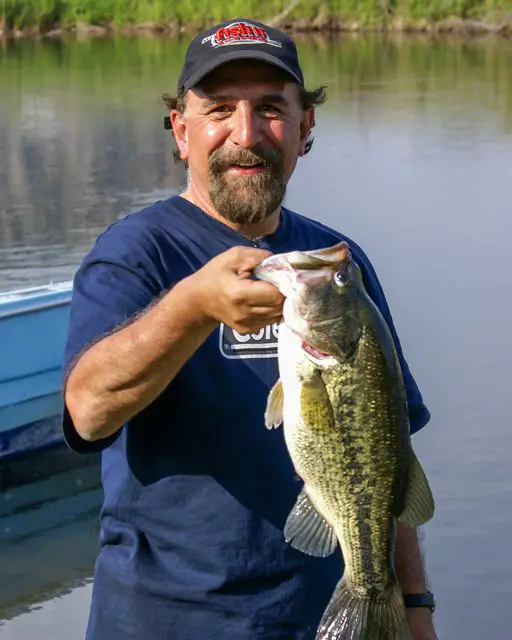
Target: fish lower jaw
{"points": [[298, 329], [317, 357]]}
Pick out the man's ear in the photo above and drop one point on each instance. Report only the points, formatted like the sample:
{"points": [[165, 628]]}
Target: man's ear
{"points": [[179, 129], [306, 125]]}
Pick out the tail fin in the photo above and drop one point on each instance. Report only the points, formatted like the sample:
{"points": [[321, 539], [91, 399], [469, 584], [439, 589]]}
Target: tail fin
{"points": [[348, 617]]}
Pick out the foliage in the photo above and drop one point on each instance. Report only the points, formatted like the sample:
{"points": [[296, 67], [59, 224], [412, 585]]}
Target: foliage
{"points": [[47, 14]]}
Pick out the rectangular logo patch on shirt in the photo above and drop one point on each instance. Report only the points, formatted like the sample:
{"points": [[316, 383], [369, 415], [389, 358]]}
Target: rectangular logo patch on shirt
{"points": [[236, 346]]}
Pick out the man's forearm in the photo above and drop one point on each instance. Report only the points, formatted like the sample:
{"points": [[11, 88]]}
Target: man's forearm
{"points": [[412, 578], [408, 561], [123, 373]]}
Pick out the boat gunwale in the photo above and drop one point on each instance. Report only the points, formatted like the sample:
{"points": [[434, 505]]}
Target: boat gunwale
{"points": [[22, 301]]}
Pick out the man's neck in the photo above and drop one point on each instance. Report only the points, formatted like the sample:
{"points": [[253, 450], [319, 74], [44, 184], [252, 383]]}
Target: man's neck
{"points": [[249, 231]]}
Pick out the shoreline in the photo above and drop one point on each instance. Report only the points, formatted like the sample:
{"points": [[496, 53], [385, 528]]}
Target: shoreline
{"points": [[323, 26]]}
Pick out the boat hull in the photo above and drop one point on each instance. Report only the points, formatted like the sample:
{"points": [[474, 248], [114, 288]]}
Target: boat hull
{"points": [[33, 327]]}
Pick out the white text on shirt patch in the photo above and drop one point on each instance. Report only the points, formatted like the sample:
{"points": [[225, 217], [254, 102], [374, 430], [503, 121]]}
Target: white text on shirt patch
{"points": [[237, 346]]}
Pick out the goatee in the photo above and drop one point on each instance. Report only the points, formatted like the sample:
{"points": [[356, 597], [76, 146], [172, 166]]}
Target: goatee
{"points": [[247, 199]]}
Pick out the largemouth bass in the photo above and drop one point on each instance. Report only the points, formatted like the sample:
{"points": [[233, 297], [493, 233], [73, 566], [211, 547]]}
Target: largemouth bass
{"points": [[342, 401]]}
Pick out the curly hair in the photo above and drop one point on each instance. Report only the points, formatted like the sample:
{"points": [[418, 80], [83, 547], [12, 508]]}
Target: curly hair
{"points": [[308, 100]]}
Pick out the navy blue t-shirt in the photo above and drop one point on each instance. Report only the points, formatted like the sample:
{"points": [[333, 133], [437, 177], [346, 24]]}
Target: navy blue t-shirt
{"points": [[196, 489]]}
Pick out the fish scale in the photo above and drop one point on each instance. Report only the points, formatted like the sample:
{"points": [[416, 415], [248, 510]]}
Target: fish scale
{"points": [[338, 465], [342, 402]]}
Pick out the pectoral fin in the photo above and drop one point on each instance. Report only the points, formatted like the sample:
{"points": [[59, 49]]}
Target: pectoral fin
{"points": [[419, 503], [307, 530], [315, 406], [274, 412]]}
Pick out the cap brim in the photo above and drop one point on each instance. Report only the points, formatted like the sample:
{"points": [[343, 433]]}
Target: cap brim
{"points": [[243, 54]]}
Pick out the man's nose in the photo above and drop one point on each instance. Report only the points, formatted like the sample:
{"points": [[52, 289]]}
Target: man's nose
{"points": [[246, 130]]}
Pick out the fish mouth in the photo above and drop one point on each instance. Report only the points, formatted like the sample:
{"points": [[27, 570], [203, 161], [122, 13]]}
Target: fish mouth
{"points": [[302, 261], [315, 353], [286, 269], [318, 258]]}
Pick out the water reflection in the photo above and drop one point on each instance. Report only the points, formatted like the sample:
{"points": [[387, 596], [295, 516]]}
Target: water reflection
{"points": [[64, 615], [48, 532], [82, 141], [412, 159]]}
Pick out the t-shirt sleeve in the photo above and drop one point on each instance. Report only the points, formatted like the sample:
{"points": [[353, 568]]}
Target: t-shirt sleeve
{"points": [[419, 414], [115, 281]]}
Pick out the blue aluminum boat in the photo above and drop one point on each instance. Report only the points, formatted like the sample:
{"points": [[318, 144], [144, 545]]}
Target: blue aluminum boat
{"points": [[33, 325]]}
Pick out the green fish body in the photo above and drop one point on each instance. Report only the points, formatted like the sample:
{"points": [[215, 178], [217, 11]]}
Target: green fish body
{"points": [[342, 402]]}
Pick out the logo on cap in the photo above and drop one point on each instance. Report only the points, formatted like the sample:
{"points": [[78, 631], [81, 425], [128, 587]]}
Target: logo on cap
{"points": [[240, 33]]}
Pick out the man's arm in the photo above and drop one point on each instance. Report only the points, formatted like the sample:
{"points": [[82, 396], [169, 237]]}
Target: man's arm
{"points": [[412, 579], [120, 375]]}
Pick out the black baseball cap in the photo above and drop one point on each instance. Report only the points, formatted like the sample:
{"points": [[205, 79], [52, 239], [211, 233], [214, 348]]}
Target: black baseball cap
{"points": [[237, 40]]}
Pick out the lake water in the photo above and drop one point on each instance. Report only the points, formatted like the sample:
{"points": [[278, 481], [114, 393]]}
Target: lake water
{"points": [[412, 158]]}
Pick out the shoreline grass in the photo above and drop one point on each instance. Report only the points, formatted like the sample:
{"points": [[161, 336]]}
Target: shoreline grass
{"points": [[103, 17]]}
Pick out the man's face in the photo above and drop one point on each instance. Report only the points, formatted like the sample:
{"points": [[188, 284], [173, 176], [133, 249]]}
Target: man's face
{"points": [[242, 133]]}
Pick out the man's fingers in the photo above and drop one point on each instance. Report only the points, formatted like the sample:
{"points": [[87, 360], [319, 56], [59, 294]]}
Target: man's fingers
{"points": [[245, 259], [267, 314], [254, 326], [264, 294]]}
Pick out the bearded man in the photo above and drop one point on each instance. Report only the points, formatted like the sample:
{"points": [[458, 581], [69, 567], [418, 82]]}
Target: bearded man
{"points": [[170, 357]]}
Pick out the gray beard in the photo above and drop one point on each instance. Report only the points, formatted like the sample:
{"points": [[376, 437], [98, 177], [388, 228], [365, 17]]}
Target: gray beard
{"points": [[249, 199]]}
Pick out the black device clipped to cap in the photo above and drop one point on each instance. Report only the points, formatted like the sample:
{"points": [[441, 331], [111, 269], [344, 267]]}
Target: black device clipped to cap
{"points": [[239, 39]]}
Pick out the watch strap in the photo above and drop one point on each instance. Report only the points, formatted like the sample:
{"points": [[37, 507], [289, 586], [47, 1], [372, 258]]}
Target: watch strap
{"points": [[420, 600]]}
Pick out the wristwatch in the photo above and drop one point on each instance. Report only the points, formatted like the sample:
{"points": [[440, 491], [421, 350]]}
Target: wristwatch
{"points": [[420, 600]]}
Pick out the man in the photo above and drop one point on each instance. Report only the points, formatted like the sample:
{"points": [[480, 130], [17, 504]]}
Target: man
{"points": [[170, 357]]}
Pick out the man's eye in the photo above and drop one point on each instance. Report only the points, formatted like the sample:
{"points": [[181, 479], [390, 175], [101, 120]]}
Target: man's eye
{"points": [[221, 108], [270, 108]]}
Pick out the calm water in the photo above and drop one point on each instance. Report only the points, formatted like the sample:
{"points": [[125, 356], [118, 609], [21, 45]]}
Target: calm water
{"points": [[413, 159]]}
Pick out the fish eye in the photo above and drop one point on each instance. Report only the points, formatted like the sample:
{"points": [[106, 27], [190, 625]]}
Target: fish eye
{"points": [[341, 278]]}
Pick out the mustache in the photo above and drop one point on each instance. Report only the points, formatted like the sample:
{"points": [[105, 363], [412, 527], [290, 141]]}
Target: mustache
{"points": [[221, 159]]}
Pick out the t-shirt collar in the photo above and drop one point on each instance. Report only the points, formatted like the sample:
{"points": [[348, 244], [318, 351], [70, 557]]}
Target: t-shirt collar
{"points": [[226, 233]]}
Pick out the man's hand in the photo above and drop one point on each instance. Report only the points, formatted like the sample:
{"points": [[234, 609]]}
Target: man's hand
{"points": [[226, 292], [421, 623], [121, 374]]}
